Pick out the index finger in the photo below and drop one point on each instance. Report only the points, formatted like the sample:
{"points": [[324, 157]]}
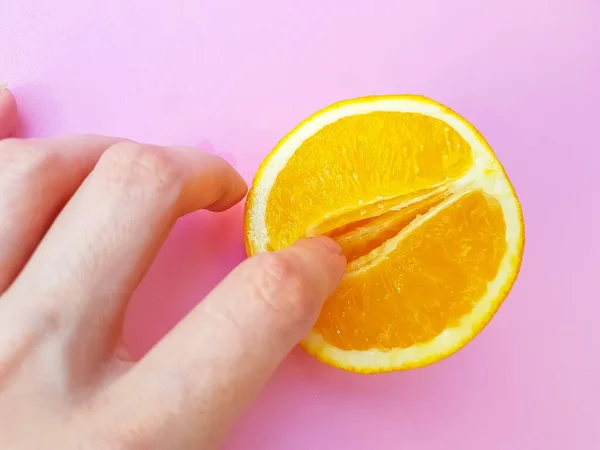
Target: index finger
{"points": [[199, 378]]}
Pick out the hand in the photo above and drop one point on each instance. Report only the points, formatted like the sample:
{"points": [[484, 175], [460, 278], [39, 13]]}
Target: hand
{"points": [[81, 219]]}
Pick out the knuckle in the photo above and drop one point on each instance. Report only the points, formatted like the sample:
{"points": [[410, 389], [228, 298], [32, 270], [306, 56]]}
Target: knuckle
{"points": [[138, 165], [281, 286], [22, 158]]}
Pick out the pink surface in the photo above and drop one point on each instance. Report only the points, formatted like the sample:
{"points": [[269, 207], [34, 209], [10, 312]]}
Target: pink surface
{"points": [[235, 76]]}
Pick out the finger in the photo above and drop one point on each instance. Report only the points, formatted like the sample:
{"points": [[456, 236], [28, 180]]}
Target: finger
{"points": [[9, 119], [108, 234], [196, 381], [37, 178]]}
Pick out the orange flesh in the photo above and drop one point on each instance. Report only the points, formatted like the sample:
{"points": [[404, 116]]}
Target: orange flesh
{"points": [[383, 171], [365, 165], [433, 277], [360, 238]]}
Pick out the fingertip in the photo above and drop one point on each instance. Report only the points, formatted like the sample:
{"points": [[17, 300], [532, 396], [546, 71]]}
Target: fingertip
{"points": [[323, 260], [323, 243], [215, 184], [233, 193], [8, 112]]}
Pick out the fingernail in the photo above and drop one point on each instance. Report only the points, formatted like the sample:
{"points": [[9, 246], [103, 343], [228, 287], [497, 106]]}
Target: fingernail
{"points": [[327, 243], [3, 86]]}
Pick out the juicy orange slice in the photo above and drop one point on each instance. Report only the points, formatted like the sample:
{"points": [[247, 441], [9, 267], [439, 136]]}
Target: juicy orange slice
{"points": [[424, 212]]}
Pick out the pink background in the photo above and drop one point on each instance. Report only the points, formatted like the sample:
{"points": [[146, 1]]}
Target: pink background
{"points": [[235, 76]]}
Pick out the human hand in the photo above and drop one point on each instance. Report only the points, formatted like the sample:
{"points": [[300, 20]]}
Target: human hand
{"points": [[81, 219]]}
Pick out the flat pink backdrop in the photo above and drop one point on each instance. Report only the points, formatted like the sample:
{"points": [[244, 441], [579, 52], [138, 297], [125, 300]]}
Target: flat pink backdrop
{"points": [[235, 76]]}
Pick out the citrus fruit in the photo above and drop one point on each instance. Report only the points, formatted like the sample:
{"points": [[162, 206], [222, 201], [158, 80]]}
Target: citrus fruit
{"points": [[424, 212]]}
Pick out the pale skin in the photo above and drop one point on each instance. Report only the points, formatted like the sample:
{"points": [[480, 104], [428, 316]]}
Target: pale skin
{"points": [[81, 219]]}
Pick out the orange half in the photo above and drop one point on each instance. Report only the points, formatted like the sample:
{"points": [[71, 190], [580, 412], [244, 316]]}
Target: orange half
{"points": [[424, 212]]}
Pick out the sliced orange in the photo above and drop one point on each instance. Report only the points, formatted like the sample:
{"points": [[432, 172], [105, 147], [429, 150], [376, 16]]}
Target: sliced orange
{"points": [[424, 212]]}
